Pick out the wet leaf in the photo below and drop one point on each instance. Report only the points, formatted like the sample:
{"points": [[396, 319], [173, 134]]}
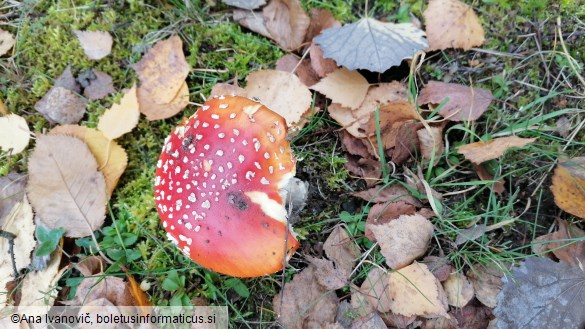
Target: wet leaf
{"points": [[458, 289], [543, 294], [270, 86], [404, 239], [63, 106], [568, 186], [96, 44], [415, 291], [345, 87], [6, 41], [120, 118], [370, 44], [452, 24], [479, 152], [65, 187], [464, 103], [14, 134]]}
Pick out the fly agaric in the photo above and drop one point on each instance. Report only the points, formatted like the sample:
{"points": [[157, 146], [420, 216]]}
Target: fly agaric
{"points": [[219, 187]]}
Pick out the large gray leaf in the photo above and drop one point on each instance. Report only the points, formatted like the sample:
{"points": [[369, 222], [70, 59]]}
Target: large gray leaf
{"points": [[370, 44], [542, 294]]}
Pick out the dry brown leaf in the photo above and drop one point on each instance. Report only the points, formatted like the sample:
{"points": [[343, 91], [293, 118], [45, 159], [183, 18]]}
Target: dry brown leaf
{"points": [[162, 71], [341, 250], [415, 291], [372, 320], [65, 187], [365, 168], [252, 20], [479, 152], [304, 300], [287, 23], [221, 89], [321, 65], [345, 87], [487, 282], [120, 118], [464, 104], [111, 157], [392, 117], [406, 142], [67, 80], [568, 186], [112, 288], [382, 213], [472, 317], [96, 44], [39, 288], [354, 145], [563, 245], [328, 275], [270, 86], [99, 87], [14, 134], [20, 223], [6, 41], [458, 289], [439, 266], [139, 296], [302, 69], [374, 290], [154, 111], [63, 106], [404, 239], [321, 19], [392, 193], [483, 174], [11, 192], [431, 143], [452, 24], [443, 322], [3, 110]]}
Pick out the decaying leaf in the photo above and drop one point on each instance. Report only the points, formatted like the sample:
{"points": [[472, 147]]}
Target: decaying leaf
{"points": [[479, 152], [452, 24], [20, 223], [393, 117], [245, 4], [483, 174], [270, 86], [340, 249], [382, 213], [375, 290], [439, 266], [63, 106], [487, 282], [464, 104], [96, 44], [367, 169], [162, 72], [391, 193], [568, 186], [563, 245], [301, 68], [542, 294], [120, 118], [345, 87], [99, 87], [404, 239], [415, 291], [65, 187], [14, 134], [67, 80], [286, 22], [458, 289], [11, 192], [6, 41], [304, 300], [110, 156], [328, 275], [431, 143], [321, 65], [39, 288], [370, 44], [96, 285]]}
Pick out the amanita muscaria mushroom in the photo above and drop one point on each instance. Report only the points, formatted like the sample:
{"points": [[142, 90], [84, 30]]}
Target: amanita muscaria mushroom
{"points": [[219, 187]]}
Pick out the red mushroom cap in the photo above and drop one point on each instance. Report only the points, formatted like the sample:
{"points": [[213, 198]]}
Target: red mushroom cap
{"points": [[218, 187]]}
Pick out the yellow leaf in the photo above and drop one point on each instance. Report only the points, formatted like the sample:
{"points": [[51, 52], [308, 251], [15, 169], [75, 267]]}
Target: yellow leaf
{"points": [[121, 118], [483, 151], [568, 186], [14, 134]]}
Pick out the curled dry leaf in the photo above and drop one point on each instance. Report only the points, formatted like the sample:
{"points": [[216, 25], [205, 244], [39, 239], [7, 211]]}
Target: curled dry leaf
{"points": [[415, 291], [458, 289], [63, 106], [345, 87], [479, 152], [14, 134], [452, 24], [120, 118], [404, 239], [375, 46], [568, 186], [6, 41], [464, 104], [111, 157], [65, 187], [286, 22], [270, 85], [96, 44]]}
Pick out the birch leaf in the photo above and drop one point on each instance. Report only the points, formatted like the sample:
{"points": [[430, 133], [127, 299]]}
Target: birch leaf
{"points": [[120, 118]]}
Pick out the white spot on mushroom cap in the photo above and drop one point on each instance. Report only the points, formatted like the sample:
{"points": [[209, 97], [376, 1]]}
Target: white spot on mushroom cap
{"points": [[206, 204]]}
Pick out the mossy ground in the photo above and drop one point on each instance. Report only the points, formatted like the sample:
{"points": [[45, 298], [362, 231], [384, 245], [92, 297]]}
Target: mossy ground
{"points": [[525, 66]]}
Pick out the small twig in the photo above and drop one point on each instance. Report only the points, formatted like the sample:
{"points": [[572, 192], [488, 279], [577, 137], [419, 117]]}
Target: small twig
{"points": [[10, 237]]}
